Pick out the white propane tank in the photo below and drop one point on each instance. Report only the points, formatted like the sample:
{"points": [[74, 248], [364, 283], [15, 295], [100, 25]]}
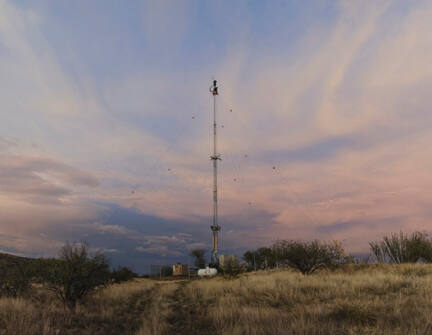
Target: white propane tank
{"points": [[207, 272]]}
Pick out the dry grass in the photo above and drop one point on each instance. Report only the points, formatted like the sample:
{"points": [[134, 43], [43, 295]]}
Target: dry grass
{"points": [[113, 310], [356, 300], [353, 300]]}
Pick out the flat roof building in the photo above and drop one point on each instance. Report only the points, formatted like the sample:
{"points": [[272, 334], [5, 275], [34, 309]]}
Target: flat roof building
{"points": [[180, 269]]}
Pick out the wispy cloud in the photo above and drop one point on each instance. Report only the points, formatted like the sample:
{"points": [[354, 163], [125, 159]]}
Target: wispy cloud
{"points": [[336, 100]]}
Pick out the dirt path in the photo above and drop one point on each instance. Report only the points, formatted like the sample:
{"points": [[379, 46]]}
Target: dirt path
{"points": [[175, 311], [178, 317], [167, 307], [129, 313], [154, 317], [188, 313], [135, 308]]}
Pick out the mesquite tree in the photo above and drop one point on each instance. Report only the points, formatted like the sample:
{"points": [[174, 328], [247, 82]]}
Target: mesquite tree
{"points": [[75, 273]]}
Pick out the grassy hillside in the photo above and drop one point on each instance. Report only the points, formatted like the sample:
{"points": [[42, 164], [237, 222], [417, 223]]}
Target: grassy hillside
{"points": [[354, 300], [12, 258]]}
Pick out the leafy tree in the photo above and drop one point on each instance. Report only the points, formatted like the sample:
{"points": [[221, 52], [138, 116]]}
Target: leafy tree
{"points": [[122, 274], [199, 257], [309, 256], [403, 248], [75, 273]]}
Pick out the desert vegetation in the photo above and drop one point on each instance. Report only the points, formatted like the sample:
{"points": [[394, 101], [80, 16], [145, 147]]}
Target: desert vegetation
{"points": [[353, 299], [298, 287], [403, 248], [304, 256]]}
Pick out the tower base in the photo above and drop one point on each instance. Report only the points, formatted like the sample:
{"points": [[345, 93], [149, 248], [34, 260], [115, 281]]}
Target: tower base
{"points": [[214, 257]]}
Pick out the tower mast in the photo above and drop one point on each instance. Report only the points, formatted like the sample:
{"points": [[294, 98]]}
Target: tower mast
{"points": [[215, 226]]}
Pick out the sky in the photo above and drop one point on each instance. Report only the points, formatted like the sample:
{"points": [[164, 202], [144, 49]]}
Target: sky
{"points": [[324, 125]]}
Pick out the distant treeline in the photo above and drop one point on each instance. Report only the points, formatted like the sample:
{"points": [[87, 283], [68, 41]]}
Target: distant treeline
{"points": [[309, 256]]}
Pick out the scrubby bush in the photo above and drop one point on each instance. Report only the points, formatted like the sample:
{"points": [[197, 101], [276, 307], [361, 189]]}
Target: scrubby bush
{"points": [[304, 256], [231, 267], [14, 278], [262, 258], [403, 248], [309, 256], [122, 274], [75, 274]]}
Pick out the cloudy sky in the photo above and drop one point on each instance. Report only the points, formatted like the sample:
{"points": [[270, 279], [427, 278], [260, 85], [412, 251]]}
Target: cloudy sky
{"points": [[105, 131]]}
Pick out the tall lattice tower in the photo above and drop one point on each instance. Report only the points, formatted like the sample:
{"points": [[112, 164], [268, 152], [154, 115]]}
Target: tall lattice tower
{"points": [[215, 157]]}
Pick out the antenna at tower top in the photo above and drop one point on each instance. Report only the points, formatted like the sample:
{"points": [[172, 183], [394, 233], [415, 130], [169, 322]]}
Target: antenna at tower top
{"points": [[214, 88]]}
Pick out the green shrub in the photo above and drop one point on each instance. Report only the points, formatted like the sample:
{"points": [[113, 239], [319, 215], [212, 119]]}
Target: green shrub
{"points": [[75, 274], [309, 256], [122, 274], [231, 267]]}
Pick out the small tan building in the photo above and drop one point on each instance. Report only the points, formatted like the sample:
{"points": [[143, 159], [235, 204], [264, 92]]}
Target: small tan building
{"points": [[180, 270]]}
